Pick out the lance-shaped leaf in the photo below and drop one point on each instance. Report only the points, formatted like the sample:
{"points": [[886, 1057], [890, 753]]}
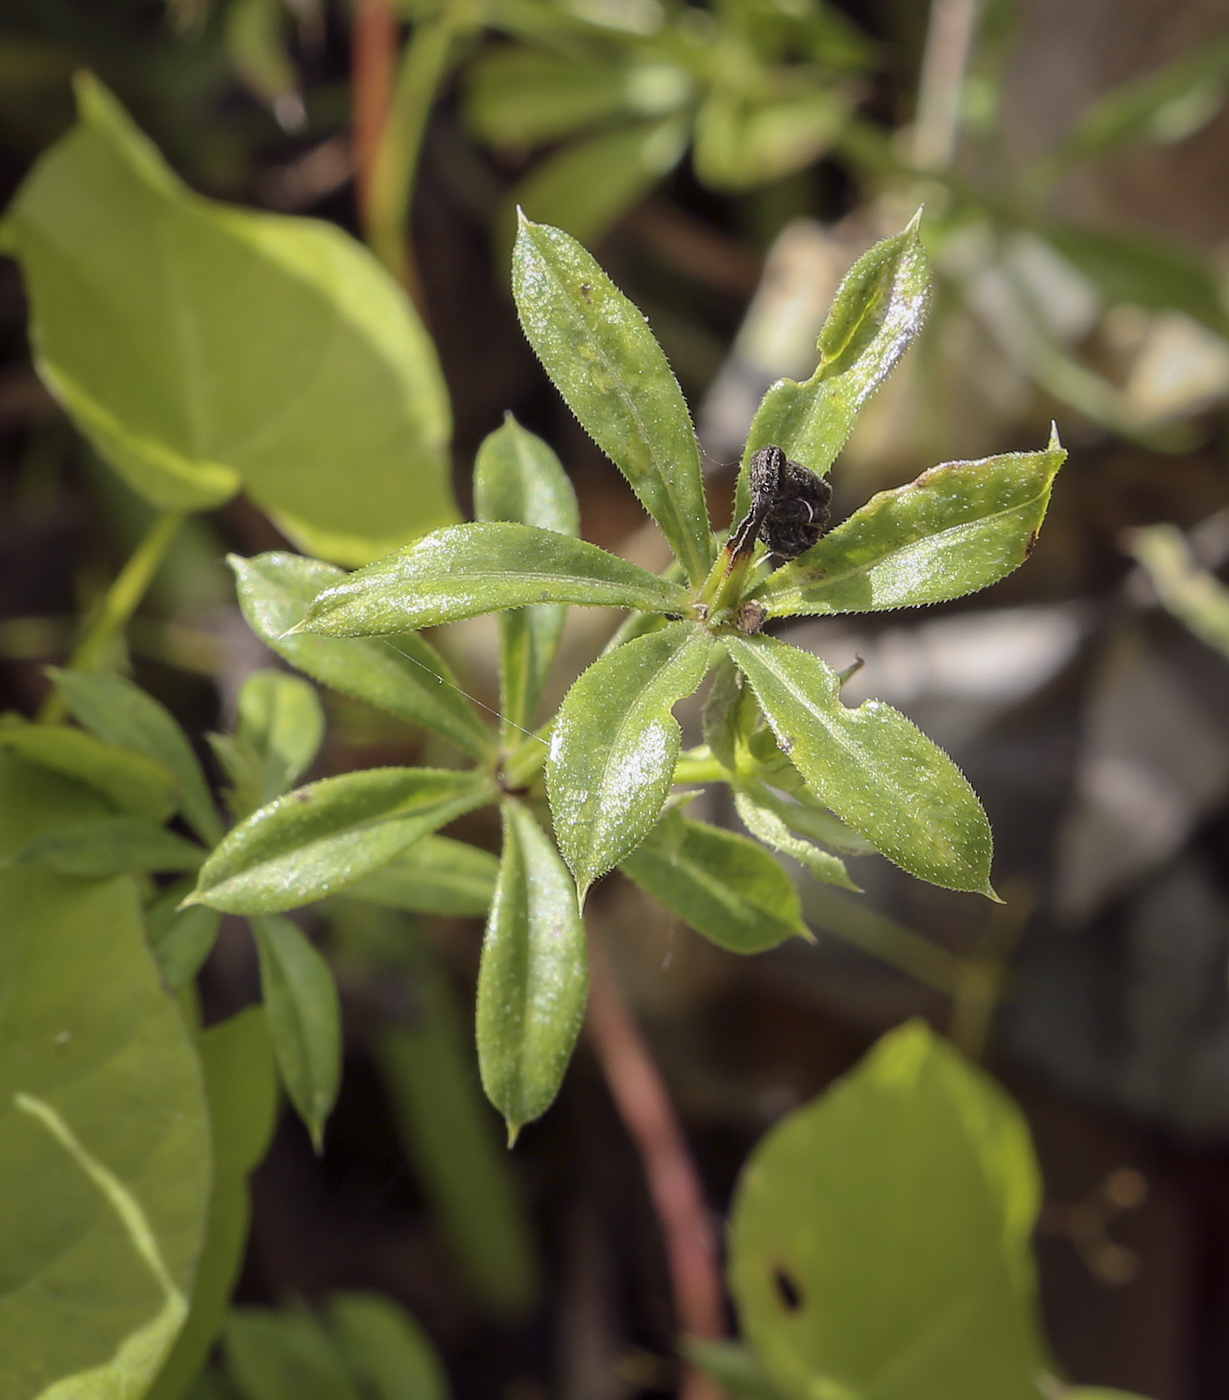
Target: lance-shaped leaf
{"points": [[203, 347], [119, 712], [101, 846], [879, 1241], [304, 1014], [602, 357], [533, 980], [325, 836], [404, 676], [437, 875], [127, 779], [480, 568], [181, 939], [878, 310], [872, 767], [957, 528], [726, 887], [614, 747], [761, 814], [518, 478]]}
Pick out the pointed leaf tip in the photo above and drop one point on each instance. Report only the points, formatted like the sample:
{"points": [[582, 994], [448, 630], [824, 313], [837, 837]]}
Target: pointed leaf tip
{"points": [[915, 223]]}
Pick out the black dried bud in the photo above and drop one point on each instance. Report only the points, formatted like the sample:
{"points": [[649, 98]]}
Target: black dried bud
{"points": [[789, 506]]}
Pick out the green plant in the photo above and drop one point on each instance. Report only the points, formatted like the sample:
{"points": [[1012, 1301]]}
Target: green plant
{"points": [[144, 297]]}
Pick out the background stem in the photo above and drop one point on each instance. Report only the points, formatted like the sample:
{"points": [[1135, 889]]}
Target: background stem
{"points": [[674, 1184], [118, 604], [373, 64]]}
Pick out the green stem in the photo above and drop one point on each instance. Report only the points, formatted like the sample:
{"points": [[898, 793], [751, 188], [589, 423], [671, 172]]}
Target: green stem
{"points": [[423, 67], [118, 604]]}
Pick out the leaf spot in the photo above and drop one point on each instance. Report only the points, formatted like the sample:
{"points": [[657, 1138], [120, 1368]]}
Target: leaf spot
{"points": [[787, 1290]]}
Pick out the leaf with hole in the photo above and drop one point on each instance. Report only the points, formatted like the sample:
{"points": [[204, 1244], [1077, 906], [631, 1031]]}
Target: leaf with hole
{"points": [[879, 1241]]}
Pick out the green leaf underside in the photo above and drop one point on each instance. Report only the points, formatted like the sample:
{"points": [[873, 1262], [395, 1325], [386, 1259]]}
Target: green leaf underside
{"points": [[880, 1236], [202, 347], [871, 767], [121, 713], [726, 887], [300, 1000], [533, 980], [877, 311], [956, 529], [127, 779], [602, 357], [241, 1082], [104, 1138], [281, 724], [761, 814], [101, 846], [402, 675], [323, 837], [614, 747], [436, 875], [480, 568], [518, 479]]}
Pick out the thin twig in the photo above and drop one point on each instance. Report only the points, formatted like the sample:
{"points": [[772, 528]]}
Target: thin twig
{"points": [[673, 1182], [949, 41], [372, 69]]}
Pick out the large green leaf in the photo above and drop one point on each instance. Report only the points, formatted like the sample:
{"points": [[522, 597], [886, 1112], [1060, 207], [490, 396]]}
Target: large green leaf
{"points": [[533, 980], [879, 1243], [598, 349], [385, 1349], [437, 875], [127, 779], [878, 772], [241, 1081], [104, 1134], [614, 746], [518, 478], [726, 887], [203, 347], [586, 187], [403, 675], [325, 836], [119, 712], [878, 310], [300, 999], [278, 733], [957, 528], [480, 568]]}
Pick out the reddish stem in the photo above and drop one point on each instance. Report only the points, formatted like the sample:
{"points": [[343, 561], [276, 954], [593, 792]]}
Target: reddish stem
{"points": [[373, 72], [674, 1184]]}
